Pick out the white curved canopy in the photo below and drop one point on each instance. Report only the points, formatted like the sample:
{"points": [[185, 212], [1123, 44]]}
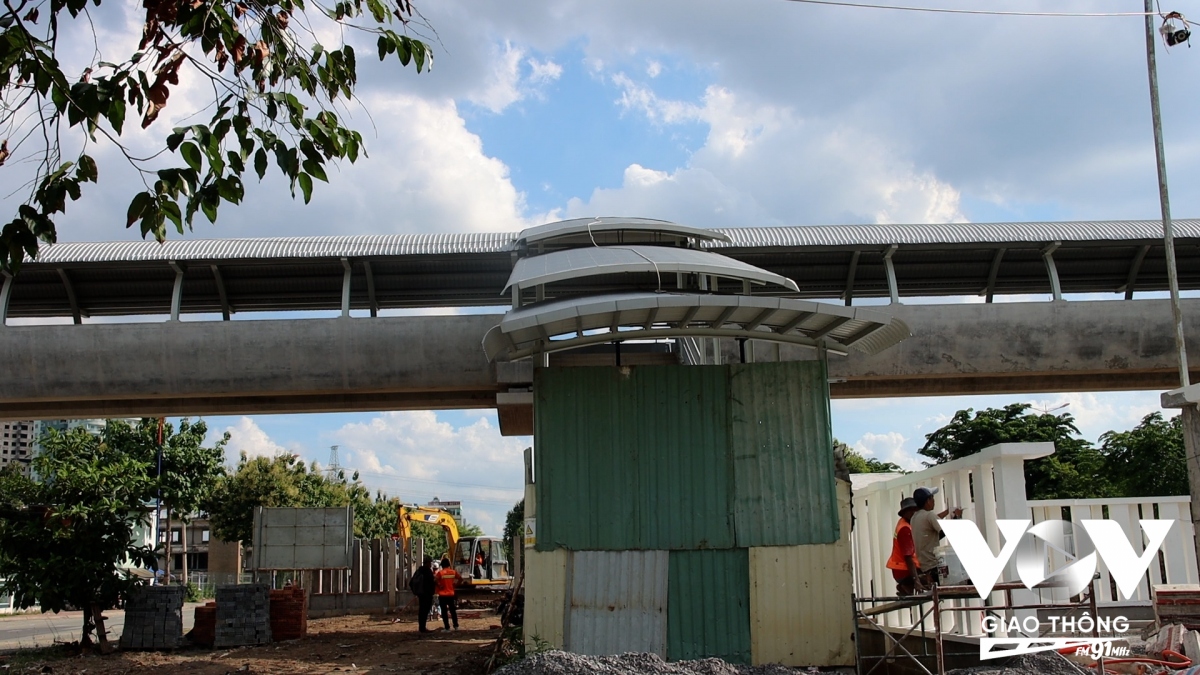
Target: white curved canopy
{"points": [[596, 260], [638, 227], [575, 322]]}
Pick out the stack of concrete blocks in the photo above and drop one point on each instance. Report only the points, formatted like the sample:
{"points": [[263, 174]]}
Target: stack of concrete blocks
{"points": [[153, 618], [243, 615], [1170, 638]]}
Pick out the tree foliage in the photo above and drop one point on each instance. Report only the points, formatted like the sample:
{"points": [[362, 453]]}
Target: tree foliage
{"points": [[1148, 460], [63, 534], [514, 526], [857, 463], [277, 82], [285, 481], [1074, 471]]}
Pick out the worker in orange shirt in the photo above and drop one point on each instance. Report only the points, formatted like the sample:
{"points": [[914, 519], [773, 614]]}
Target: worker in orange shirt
{"points": [[445, 578], [903, 561]]}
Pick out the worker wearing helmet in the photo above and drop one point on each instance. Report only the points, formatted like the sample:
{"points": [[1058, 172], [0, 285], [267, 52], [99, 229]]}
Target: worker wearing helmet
{"points": [[903, 561], [446, 578]]}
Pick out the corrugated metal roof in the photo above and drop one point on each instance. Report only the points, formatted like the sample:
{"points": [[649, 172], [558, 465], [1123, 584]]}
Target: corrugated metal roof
{"points": [[952, 233], [360, 246], [618, 603], [633, 458], [709, 601], [800, 613], [783, 454], [499, 242], [568, 323]]}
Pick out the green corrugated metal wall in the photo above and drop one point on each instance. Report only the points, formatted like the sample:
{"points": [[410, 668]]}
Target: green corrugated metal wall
{"points": [[670, 457], [633, 459], [779, 432], [708, 601]]}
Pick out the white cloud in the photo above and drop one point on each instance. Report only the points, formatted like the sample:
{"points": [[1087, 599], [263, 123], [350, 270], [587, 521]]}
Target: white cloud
{"points": [[654, 69], [500, 89], [415, 455], [888, 447], [543, 72], [764, 165], [1096, 414], [247, 437]]}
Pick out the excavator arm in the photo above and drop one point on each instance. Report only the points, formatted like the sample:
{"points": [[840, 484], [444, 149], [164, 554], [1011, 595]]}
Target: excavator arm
{"points": [[423, 514]]}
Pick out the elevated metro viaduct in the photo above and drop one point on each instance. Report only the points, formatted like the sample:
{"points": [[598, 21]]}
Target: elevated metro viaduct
{"points": [[428, 362]]}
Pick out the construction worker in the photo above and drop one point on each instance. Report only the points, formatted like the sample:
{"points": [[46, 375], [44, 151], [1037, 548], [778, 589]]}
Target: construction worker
{"points": [[927, 533], [903, 561], [446, 578], [422, 585]]}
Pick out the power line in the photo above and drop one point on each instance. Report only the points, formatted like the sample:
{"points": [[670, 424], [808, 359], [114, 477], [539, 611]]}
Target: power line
{"points": [[396, 477], [986, 12]]}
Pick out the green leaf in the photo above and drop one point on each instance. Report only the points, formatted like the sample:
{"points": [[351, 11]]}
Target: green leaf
{"points": [[86, 171], [306, 186], [260, 163], [191, 155], [316, 170], [210, 209], [137, 207], [175, 139], [171, 210], [116, 114]]}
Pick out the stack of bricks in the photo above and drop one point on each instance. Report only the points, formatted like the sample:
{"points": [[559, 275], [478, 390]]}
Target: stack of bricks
{"points": [[289, 613], [153, 618], [204, 628], [243, 615]]}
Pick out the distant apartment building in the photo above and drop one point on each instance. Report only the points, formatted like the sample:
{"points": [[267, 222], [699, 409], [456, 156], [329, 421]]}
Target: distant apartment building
{"points": [[206, 555], [454, 508], [16, 443]]}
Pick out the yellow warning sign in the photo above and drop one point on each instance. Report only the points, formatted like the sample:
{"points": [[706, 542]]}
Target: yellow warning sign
{"points": [[530, 532]]}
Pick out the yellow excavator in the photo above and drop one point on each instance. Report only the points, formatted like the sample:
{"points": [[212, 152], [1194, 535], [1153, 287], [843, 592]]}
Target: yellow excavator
{"points": [[479, 560]]}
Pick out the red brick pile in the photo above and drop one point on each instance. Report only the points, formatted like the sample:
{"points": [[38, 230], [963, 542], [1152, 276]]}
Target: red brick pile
{"points": [[289, 614], [204, 628]]}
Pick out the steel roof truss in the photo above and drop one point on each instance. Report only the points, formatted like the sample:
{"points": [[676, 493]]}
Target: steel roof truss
{"points": [[76, 313], [1134, 268], [226, 309]]}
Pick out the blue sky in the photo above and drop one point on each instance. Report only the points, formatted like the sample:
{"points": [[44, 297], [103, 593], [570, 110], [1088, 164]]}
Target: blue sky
{"points": [[713, 115]]}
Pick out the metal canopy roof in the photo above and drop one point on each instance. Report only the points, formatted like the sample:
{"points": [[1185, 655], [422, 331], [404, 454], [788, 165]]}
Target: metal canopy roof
{"points": [[557, 325], [636, 230], [390, 271], [597, 261]]}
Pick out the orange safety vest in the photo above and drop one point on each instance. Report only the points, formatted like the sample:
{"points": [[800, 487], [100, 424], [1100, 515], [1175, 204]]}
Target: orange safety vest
{"points": [[897, 561], [445, 579]]}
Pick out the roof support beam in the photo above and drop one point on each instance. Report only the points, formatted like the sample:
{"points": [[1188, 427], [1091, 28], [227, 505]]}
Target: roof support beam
{"points": [[649, 320], [791, 325], [849, 295], [829, 327], [849, 342], [1052, 270], [76, 314], [758, 320], [371, 288], [226, 310], [724, 318], [347, 273], [177, 291], [5, 294], [990, 291], [688, 316], [1134, 268], [890, 269]]}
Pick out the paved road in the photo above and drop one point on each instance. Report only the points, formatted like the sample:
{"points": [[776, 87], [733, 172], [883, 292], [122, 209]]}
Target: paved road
{"points": [[42, 630]]}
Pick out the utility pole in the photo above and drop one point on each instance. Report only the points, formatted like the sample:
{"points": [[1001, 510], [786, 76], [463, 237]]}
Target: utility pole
{"points": [[1186, 396]]}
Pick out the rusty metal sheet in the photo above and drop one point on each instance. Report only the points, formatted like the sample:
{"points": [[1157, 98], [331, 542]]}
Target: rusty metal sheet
{"points": [[633, 458], [783, 454], [618, 602], [545, 597], [800, 601]]}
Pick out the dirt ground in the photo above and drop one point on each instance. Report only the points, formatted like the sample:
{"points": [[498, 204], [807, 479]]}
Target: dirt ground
{"points": [[347, 644]]}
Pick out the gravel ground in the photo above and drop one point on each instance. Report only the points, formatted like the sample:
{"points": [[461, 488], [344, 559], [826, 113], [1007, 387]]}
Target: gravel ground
{"points": [[1028, 664], [564, 663]]}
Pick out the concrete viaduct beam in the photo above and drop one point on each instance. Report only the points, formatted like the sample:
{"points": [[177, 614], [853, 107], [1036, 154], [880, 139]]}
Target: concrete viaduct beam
{"points": [[436, 362]]}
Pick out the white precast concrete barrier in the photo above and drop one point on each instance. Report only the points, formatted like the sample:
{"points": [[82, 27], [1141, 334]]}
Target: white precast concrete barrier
{"points": [[989, 486]]}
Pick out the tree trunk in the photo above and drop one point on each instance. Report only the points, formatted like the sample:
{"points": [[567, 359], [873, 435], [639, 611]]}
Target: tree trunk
{"points": [[85, 637], [170, 561], [183, 536]]}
